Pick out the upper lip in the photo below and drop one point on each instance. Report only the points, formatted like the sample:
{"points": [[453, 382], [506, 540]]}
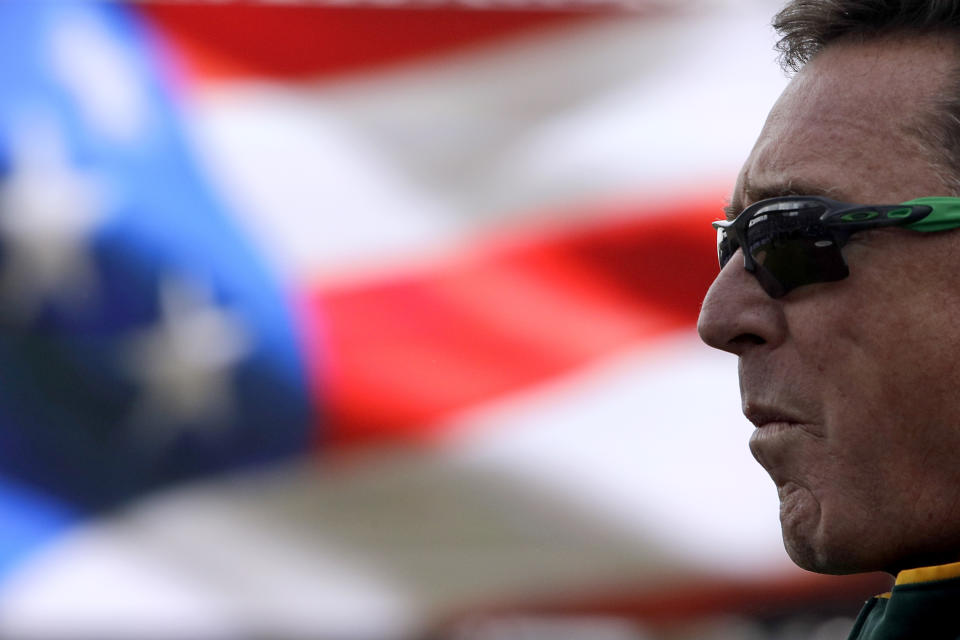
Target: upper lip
{"points": [[761, 415]]}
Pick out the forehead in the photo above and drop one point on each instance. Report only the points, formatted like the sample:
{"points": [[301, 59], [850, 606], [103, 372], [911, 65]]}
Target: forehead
{"points": [[847, 125]]}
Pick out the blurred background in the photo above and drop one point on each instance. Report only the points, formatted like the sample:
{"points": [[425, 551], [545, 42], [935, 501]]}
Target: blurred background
{"points": [[377, 321]]}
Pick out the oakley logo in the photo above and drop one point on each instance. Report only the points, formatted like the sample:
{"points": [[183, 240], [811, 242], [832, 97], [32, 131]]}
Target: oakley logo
{"points": [[859, 216]]}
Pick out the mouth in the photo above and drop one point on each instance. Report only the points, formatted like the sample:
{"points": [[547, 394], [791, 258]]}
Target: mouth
{"points": [[780, 436], [763, 417], [773, 424]]}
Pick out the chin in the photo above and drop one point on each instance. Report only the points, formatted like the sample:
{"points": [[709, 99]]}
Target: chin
{"points": [[833, 559]]}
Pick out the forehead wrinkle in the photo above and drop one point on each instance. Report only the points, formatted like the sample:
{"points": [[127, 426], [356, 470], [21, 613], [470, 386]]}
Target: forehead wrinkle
{"points": [[832, 155], [847, 128], [842, 130]]}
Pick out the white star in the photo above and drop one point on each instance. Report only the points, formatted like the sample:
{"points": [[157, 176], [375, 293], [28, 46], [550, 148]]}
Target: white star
{"points": [[184, 362], [48, 210]]}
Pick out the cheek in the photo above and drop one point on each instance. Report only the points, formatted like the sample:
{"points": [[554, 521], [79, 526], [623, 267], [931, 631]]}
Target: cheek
{"points": [[890, 405], [870, 411], [876, 354], [912, 384], [861, 393], [885, 358]]}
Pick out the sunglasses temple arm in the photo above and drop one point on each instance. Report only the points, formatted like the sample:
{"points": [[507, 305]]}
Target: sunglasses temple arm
{"points": [[945, 214]]}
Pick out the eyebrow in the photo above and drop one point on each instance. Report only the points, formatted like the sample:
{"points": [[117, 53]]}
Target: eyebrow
{"points": [[791, 188]]}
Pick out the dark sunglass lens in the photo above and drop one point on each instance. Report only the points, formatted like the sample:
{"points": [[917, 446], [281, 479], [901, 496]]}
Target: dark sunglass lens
{"points": [[791, 247], [796, 257]]}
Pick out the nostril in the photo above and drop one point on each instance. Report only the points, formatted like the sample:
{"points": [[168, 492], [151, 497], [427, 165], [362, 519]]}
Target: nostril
{"points": [[747, 338]]}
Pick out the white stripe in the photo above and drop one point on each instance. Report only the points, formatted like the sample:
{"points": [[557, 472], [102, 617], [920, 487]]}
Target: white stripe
{"points": [[652, 443], [394, 163]]}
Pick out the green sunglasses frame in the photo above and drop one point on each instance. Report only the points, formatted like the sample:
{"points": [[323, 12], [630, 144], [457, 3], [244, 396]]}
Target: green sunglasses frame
{"points": [[838, 222]]}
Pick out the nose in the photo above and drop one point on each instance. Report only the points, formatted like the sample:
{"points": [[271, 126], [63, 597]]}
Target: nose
{"points": [[737, 314]]}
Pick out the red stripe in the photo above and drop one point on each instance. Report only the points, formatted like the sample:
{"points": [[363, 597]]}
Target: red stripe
{"points": [[406, 351], [685, 600], [289, 42]]}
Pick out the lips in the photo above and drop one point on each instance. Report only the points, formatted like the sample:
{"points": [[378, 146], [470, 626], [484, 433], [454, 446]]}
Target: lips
{"points": [[767, 415], [779, 436]]}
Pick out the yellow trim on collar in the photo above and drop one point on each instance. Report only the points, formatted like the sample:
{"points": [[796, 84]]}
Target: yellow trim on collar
{"points": [[928, 574]]}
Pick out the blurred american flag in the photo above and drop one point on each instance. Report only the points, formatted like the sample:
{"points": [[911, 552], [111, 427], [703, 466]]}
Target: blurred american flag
{"points": [[346, 322]]}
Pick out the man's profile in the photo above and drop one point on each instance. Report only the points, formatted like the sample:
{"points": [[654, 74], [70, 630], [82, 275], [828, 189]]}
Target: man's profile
{"points": [[840, 294]]}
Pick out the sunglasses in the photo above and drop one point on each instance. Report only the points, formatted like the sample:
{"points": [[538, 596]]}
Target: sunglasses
{"points": [[791, 241]]}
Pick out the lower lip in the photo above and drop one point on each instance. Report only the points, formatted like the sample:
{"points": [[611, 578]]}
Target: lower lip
{"points": [[772, 441]]}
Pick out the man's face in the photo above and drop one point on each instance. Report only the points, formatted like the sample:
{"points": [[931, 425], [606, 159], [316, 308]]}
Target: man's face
{"points": [[855, 385]]}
